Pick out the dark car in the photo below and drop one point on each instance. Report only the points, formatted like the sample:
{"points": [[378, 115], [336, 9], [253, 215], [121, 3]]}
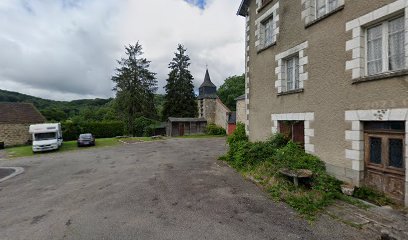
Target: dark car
{"points": [[86, 139]]}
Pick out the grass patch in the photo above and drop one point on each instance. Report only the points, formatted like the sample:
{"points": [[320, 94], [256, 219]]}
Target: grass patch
{"points": [[140, 139], [372, 196], [25, 151]]}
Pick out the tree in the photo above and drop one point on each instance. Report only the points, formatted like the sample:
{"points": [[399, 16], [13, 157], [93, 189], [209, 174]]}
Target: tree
{"points": [[232, 88], [135, 86], [180, 100]]}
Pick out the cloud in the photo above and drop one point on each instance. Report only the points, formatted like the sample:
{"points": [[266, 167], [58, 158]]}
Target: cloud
{"points": [[67, 49]]}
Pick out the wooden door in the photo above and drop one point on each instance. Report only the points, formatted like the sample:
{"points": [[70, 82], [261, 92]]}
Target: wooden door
{"points": [[293, 130], [385, 163], [181, 129]]}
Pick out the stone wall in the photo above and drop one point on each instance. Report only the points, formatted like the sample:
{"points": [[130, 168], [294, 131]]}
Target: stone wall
{"points": [[241, 114], [221, 114], [208, 109], [14, 134]]}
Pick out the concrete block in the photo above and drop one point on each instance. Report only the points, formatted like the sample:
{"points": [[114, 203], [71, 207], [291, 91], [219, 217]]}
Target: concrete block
{"points": [[356, 126], [354, 155], [309, 148], [354, 135], [303, 76], [309, 132], [307, 124], [309, 116], [357, 145], [351, 116], [398, 114]]}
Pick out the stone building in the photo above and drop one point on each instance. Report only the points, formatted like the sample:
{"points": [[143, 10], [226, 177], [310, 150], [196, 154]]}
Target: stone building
{"points": [[210, 106], [240, 109], [339, 70], [15, 119]]}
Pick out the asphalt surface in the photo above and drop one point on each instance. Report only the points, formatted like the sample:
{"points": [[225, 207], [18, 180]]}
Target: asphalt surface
{"points": [[173, 189]]}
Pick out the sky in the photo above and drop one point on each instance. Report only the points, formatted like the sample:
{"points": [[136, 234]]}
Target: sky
{"points": [[67, 49]]}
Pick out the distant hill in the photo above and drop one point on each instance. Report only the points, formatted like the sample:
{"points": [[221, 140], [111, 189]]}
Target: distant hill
{"points": [[84, 109], [55, 110]]}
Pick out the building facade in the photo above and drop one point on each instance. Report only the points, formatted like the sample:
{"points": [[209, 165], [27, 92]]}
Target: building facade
{"points": [[337, 70], [210, 106], [15, 120], [240, 109]]}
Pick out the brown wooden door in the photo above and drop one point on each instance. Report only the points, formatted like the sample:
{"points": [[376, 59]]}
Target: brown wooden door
{"points": [[385, 163], [181, 129]]}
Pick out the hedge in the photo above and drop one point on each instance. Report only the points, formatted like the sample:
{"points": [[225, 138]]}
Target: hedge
{"points": [[105, 129]]}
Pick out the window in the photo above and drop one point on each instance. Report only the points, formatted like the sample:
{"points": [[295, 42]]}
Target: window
{"points": [[324, 7], [293, 130], [292, 73], [386, 47], [267, 26]]}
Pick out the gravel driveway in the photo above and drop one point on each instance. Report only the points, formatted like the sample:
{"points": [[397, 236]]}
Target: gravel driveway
{"points": [[173, 189]]}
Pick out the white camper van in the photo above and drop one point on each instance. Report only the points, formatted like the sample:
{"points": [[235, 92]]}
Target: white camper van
{"points": [[46, 137]]}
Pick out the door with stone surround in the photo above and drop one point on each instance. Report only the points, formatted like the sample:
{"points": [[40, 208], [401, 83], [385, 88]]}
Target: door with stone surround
{"points": [[384, 159]]}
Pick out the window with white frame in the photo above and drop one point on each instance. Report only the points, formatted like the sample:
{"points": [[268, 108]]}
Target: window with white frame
{"points": [[385, 46], [292, 73], [267, 28], [324, 7]]}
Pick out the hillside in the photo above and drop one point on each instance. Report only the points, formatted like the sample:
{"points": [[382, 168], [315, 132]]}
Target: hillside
{"points": [[84, 109], [56, 110]]}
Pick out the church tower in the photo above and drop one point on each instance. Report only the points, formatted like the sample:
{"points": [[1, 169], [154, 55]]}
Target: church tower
{"points": [[210, 106], [207, 99]]}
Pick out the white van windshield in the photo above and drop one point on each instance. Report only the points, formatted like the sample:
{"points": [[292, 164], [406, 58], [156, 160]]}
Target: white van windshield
{"points": [[44, 136]]}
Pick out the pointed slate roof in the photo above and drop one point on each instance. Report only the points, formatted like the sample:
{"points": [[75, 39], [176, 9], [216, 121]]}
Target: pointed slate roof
{"points": [[207, 80]]}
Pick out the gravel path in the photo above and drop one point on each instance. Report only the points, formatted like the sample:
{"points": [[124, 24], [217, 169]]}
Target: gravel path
{"points": [[174, 189]]}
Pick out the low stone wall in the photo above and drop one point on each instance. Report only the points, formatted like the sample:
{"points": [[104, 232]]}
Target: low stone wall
{"points": [[14, 134]]}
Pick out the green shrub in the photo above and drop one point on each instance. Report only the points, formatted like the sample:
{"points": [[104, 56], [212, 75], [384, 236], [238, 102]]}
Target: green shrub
{"points": [[263, 160], [141, 126], [238, 135], [213, 129]]}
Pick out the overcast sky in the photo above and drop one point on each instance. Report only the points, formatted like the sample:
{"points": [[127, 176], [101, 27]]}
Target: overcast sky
{"points": [[67, 49]]}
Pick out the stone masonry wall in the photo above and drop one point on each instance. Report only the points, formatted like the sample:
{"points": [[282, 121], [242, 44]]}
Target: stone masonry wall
{"points": [[14, 134], [241, 114], [221, 114]]}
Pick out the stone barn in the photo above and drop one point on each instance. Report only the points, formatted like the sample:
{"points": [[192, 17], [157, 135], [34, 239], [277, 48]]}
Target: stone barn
{"points": [[15, 119]]}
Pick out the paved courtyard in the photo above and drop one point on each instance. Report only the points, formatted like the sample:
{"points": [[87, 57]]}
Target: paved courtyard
{"points": [[173, 189]]}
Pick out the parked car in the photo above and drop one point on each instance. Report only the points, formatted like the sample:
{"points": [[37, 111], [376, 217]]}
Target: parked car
{"points": [[86, 139]]}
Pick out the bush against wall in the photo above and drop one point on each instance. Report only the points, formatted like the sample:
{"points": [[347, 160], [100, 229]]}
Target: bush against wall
{"points": [[262, 161], [104, 129], [213, 129]]}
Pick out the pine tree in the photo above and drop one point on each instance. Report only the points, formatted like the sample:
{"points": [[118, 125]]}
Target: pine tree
{"points": [[135, 86], [180, 100]]}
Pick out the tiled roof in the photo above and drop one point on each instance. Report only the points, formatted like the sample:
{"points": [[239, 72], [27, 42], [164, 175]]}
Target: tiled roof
{"points": [[19, 113], [173, 119]]}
